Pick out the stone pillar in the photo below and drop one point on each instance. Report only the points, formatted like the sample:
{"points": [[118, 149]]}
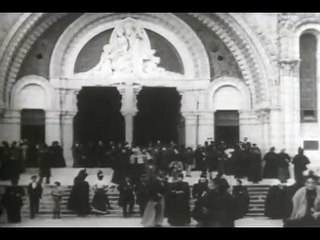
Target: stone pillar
{"points": [[129, 118], [129, 108], [52, 126], [190, 129], [206, 126], [67, 136], [263, 116], [250, 127], [10, 125], [276, 128], [290, 102]]}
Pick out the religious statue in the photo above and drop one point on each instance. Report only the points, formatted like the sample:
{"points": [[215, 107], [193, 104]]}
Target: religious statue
{"points": [[128, 52]]}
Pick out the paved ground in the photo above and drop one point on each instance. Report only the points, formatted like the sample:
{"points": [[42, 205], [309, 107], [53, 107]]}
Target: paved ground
{"points": [[94, 221]]}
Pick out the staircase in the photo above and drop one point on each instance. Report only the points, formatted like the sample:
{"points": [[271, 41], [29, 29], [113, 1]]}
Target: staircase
{"points": [[257, 195]]}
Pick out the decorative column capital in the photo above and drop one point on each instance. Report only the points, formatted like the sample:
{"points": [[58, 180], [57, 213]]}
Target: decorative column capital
{"points": [[289, 66], [264, 115]]}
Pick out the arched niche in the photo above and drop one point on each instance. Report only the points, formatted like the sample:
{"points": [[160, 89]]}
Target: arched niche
{"points": [[31, 92], [228, 93]]}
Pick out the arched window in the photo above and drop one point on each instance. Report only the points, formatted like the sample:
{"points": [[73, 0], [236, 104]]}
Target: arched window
{"points": [[308, 77]]}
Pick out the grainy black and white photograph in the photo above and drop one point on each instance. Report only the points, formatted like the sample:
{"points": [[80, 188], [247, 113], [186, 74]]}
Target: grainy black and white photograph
{"points": [[159, 119]]}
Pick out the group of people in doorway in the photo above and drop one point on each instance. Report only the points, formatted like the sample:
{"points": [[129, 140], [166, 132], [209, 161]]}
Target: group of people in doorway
{"points": [[15, 157]]}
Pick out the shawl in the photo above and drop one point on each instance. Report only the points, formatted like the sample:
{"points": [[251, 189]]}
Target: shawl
{"points": [[300, 203]]}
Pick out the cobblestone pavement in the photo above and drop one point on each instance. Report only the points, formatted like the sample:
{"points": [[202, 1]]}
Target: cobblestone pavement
{"points": [[94, 221]]}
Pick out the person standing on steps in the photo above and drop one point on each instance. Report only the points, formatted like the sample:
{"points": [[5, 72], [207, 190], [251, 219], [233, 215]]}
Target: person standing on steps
{"points": [[300, 162], [12, 201], [126, 197], [56, 194], [35, 193]]}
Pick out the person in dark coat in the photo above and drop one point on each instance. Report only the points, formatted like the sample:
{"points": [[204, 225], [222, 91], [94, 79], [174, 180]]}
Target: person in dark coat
{"points": [[77, 151], [241, 196], [179, 202], [121, 166], [200, 158], [275, 204], [5, 161], [164, 160], [126, 197], [300, 162], [44, 163], [15, 162], [141, 191], [237, 157], [188, 160], [79, 195], [35, 193], [200, 188], [283, 166], [254, 173], [56, 155], [271, 164], [219, 205], [13, 201]]}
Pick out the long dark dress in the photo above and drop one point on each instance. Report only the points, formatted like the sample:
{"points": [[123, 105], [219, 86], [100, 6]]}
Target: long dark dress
{"points": [[241, 196], [141, 191], [44, 163], [79, 197], [121, 167], [300, 163], [100, 198], [5, 163], [271, 165], [155, 209], [283, 170], [254, 173], [179, 204], [57, 158], [220, 209], [12, 202], [276, 203]]}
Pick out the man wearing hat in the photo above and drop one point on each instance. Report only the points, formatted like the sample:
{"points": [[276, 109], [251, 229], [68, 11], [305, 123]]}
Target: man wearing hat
{"points": [[34, 192]]}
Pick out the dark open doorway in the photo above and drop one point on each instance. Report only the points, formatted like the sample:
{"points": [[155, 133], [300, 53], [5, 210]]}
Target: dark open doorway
{"points": [[227, 127], [99, 116], [158, 117], [33, 125]]}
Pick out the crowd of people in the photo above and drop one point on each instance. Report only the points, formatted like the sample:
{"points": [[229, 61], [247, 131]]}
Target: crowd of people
{"points": [[15, 157], [141, 175]]}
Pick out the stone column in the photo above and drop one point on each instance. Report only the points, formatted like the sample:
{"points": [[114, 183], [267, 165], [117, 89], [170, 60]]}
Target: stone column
{"points": [[52, 126], [290, 102], [206, 126], [129, 108], [67, 136], [263, 116], [190, 129], [276, 128]]}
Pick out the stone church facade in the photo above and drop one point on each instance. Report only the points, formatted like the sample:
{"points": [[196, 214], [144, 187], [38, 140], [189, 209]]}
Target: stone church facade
{"points": [[249, 71]]}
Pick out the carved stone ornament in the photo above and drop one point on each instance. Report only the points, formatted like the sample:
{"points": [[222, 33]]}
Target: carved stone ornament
{"points": [[128, 53]]}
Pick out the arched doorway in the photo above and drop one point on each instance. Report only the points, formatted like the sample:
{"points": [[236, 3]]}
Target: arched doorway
{"points": [[98, 117], [158, 115]]}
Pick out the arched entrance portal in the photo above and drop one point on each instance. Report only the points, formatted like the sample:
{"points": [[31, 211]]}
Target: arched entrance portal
{"points": [[158, 115], [99, 117]]}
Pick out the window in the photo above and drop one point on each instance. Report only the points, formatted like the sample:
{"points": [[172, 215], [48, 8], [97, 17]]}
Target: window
{"points": [[308, 78]]}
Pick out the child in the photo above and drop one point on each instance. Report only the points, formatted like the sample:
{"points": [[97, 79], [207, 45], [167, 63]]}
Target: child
{"points": [[56, 194]]}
